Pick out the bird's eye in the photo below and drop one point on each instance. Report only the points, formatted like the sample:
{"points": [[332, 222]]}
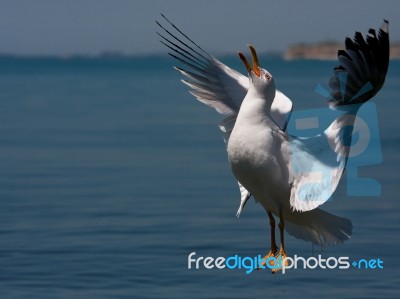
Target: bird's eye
{"points": [[267, 76]]}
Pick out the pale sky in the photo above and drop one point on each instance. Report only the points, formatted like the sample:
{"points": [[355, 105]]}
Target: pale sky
{"points": [[55, 27]]}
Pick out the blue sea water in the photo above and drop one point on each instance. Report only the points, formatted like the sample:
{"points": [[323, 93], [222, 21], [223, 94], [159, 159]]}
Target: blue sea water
{"points": [[111, 174]]}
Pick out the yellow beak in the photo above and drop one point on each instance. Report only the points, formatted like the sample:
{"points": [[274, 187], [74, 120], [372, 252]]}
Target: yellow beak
{"points": [[256, 67]]}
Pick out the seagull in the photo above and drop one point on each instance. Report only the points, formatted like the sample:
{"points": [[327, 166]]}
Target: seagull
{"points": [[290, 176]]}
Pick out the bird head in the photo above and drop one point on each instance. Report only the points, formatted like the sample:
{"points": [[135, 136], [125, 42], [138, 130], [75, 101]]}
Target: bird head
{"points": [[261, 80]]}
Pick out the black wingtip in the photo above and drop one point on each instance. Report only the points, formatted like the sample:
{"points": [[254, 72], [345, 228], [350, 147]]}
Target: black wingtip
{"points": [[366, 61]]}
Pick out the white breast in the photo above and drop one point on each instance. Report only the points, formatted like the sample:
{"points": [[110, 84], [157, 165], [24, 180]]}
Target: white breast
{"points": [[256, 158]]}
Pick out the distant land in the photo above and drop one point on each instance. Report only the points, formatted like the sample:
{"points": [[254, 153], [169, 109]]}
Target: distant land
{"points": [[326, 51]]}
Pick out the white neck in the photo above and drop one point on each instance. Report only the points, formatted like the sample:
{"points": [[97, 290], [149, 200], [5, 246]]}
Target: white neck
{"points": [[255, 108]]}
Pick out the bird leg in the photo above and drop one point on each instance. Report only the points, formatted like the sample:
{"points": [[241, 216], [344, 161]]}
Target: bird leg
{"points": [[282, 253], [274, 248]]}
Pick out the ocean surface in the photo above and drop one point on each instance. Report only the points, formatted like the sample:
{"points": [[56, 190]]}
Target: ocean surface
{"points": [[111, 174]]}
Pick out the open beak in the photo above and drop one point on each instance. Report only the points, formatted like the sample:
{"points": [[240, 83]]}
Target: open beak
{"points": [[256, 67]]}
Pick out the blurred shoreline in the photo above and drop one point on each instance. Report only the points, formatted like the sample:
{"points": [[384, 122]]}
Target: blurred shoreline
{"points": [[326, 50]]}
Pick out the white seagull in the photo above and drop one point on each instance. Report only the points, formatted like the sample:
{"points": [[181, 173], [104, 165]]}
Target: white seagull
{"points": [[278, 169]]}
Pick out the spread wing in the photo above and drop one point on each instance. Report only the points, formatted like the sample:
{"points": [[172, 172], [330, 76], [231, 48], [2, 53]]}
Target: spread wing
{"points": [[317, 163], [212, 82], [215, 84]]}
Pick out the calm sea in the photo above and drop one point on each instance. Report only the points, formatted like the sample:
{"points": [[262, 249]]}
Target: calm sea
{"points": [[111, 173]]}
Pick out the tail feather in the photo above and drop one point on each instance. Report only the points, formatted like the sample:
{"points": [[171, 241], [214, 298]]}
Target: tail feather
{"points": [[319, 227]]}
